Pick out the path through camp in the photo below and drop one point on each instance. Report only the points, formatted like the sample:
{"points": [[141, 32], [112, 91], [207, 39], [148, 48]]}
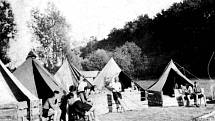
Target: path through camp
{"points": [[160, 114]]}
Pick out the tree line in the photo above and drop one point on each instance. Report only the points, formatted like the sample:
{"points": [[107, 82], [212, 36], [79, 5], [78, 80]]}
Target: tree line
{"points": [[184, 32]]}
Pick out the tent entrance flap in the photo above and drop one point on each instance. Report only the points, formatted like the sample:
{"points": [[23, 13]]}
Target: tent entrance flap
{"points": [[125, 80], [174, 81], [41, 85]]}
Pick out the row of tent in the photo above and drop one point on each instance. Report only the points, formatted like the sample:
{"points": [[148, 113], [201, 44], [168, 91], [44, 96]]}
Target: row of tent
{"points": [[31, 81]]}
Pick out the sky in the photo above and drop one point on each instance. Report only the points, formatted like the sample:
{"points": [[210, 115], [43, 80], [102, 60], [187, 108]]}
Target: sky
{"points": [[86, 17]]}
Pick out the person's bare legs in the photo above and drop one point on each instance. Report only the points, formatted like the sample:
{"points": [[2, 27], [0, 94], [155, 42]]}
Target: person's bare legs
{"points": [[57, 114], [188, 100], [196, 99], [123, 105], [182, 96], [204, 98], [93, 114], [117, 106]]}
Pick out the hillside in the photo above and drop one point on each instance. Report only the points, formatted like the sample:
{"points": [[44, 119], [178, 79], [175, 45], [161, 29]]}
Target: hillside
{"points": [[184, 33]]}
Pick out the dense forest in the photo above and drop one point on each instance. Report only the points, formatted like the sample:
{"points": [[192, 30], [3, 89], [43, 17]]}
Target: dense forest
{"points": [[184, 32]]}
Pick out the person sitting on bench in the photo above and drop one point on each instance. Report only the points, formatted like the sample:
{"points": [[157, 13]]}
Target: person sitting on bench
{"points": [[197, 93], [187, 91]]}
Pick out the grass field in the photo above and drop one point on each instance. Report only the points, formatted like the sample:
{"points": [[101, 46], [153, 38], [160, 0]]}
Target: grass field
{"points": [[160, 114]]}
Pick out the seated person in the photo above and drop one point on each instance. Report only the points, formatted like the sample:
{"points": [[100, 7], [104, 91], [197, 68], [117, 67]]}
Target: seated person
{"points": [[51, 107], [187, 91], [75, 105], [181, 90], [197, 93]]}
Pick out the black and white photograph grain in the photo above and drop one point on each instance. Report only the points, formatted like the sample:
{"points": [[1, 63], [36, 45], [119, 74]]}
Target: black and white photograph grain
{"points": [[107, 60]]}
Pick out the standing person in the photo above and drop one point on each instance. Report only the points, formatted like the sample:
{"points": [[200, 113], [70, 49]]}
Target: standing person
{"points": [[63, 106], [51, 106], [81, 89], [117, 88]]}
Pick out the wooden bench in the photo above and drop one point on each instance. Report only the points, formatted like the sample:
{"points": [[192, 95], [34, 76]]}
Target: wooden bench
{"points": [[14, 111], [180, 97], [21, 111]]}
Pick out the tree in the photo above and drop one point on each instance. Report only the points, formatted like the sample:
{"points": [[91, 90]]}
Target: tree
{"points": [[74, 58], [51, 30], [123, 59], [96, 60], [129, 57], [89, 47], [7, 29]]}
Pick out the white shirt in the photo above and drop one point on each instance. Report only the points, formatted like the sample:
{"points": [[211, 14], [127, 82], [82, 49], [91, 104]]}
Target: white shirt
{"points": [[116, 86], [81, 86]]}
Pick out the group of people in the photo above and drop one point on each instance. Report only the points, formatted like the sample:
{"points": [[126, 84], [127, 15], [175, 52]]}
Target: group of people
{"points": [[195, 92], [71, 106], [77, 102]]}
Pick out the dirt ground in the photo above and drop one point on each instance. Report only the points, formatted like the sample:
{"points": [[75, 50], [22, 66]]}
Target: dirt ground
{"points": [[160, 114]]}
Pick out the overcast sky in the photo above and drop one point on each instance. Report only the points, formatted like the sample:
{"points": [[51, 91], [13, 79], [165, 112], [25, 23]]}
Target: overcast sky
{"points": [[86, 17]]}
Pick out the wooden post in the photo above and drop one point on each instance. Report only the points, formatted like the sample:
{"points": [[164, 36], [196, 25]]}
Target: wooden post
{"points": [[146, 95], [161, 98], [109, 100], [40, 108], [30, 111], [35, 110]]}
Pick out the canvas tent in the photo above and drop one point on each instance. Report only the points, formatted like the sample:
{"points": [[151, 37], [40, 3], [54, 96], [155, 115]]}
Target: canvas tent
{"points": [[104, 101], [110, 70], [65, 76], [37, 79], [90, 75], [11, 90], [166, 84], [68, 75]]}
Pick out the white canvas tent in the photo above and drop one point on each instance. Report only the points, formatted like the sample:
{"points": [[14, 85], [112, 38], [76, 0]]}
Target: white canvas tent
{"points": [[65, 76], [162, 92], [68, 75], [11, 89], [160, 84], [111, 70], [90, 75], [130, 98]]}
